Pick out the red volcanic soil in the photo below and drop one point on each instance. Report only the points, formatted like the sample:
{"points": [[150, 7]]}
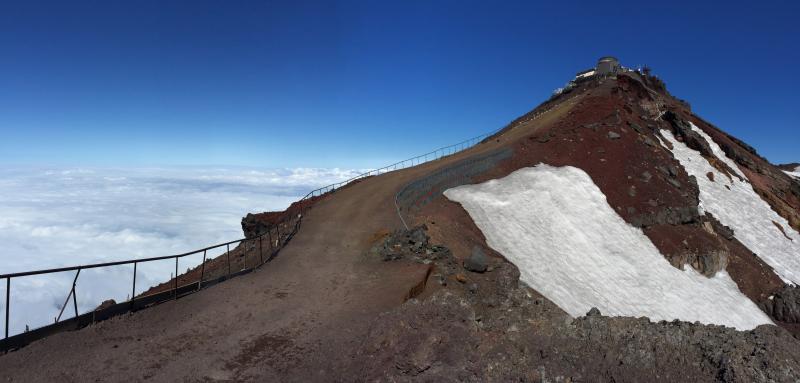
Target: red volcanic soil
{"points": [[611, 133]]}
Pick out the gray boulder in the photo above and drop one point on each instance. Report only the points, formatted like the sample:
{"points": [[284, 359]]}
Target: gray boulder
{"points": [[477, 261], [784, 306]]}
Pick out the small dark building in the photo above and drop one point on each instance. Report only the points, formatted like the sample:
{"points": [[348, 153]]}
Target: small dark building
{"points": [[607, 65]]}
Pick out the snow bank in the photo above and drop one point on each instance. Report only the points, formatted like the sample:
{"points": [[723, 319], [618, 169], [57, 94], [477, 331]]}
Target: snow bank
{"points": [[572, 247], [735, 204], [795, 173]]}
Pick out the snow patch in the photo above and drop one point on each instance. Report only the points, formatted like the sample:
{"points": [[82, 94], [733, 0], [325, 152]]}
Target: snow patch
{"points": [[795, 173], [735, 204], [555, 224], [718, 152]]}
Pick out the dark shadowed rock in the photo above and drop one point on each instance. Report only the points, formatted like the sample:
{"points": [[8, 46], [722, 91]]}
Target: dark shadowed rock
{"points": [[253, 226], [594, 312], [784, 306], [477, 261], [636, 127], [106, 304]]}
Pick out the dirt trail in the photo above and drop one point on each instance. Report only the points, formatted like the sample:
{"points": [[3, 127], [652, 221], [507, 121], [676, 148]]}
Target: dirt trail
{"points": [[283, 322]]}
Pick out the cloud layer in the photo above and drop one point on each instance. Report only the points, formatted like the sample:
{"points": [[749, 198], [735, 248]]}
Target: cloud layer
{"points": [[64, 217]]}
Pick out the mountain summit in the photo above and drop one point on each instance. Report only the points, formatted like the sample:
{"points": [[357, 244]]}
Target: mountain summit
{"points": [[610, 234]]}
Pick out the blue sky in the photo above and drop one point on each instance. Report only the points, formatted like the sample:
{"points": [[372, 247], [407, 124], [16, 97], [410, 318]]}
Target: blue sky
{"points": [[323, 84]]}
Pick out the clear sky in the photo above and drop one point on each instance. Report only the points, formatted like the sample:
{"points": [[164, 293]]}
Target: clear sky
{"points": [[286, 84]]}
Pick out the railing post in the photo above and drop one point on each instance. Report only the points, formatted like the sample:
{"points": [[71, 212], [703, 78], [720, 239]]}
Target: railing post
{"points": [[269, 231], [71, 293], [244, 254], [202, 271], [228, 255], [8, 301], [75, 300], [133, 291], [176, 277]]}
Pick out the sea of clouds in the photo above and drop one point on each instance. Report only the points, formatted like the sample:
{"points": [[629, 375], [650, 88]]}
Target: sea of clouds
{"points": [[63, 217]]}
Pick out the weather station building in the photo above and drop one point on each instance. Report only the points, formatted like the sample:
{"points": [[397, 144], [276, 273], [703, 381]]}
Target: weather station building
{"points": [[607, 65]]}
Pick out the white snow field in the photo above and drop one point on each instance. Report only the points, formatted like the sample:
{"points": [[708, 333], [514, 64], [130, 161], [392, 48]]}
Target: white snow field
{"points": [[739, 207], [555, 224], [795, 173]]}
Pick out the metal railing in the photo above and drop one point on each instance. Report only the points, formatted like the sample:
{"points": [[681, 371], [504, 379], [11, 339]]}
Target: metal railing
{"points": [[291, 221], [414, 161], [263, 248], [453, 179]]}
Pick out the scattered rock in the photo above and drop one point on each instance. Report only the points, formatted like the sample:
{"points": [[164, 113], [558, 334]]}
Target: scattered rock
{"points": [[646, 176], [461, 278], [673, 171], [674, 182], [649, 141], [106, 304], [632, 191], [710, 176], [613, 135], [667, 215], [725, 231], [477, 261], [254, 225], [594, 312], [636, 127], [784, 306], [414, 245], [544, 138]]}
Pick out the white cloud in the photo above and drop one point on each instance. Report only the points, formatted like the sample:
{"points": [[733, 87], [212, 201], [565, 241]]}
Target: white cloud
{"points": [[64, 217]]}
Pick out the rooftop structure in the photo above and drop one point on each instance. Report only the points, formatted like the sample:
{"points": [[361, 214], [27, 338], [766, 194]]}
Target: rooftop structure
{"points": [[607, 65]]}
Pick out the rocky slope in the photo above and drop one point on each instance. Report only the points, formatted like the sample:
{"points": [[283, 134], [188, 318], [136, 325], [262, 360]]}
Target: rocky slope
{"points": [[485, 326]]}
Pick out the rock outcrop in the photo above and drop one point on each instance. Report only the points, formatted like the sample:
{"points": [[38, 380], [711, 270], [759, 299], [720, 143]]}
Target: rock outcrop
{"points": [[784, 306]]}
